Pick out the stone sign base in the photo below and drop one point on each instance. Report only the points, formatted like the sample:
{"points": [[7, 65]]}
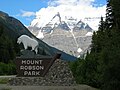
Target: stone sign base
{"points": [[58, 75]]}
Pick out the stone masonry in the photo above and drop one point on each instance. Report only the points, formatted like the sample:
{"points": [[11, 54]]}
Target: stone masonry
{"points": [[58, 75]]}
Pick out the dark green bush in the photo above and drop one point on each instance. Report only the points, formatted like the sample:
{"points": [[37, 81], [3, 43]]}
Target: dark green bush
{"points": [[7, 69]]}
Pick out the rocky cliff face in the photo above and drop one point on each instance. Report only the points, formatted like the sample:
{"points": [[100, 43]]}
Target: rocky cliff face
{"points": [[68, 35], [68, 42]]}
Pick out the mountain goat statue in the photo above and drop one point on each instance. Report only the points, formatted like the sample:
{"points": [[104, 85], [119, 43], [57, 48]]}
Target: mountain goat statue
{"points": [[28, 42]]}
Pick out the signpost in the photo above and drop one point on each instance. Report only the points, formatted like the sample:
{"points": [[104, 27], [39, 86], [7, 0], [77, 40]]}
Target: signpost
{"points": [[28, 65], [34, 67], [32, 63]]}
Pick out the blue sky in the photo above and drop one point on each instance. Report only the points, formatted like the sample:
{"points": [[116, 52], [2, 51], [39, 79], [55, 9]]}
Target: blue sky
{"points": [[17, 8]]}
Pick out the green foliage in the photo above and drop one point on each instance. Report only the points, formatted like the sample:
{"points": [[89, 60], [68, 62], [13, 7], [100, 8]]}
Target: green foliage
{"points": [[7, 69], [101, 67], [4, 80], [8, 51]]}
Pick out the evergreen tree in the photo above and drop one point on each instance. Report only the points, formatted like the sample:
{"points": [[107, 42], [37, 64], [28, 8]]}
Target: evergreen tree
{"points": [[115, 4], [101, 68], [8, 48], [109, 15], [101, 25]]}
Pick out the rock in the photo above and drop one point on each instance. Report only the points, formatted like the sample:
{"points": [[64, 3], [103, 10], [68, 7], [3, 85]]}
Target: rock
{"points": [[58, 75], [31, 54], [64, 41], [27, 53]]}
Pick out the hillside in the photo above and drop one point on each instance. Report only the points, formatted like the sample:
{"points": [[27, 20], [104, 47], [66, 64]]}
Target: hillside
{"points": [[13, 28]]}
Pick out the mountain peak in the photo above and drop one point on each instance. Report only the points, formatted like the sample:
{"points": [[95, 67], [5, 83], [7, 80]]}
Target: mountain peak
{"points": [[57, 15], [57, 21]]}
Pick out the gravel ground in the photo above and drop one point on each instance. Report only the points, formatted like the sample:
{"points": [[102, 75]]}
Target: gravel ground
{"points": [[78, 87]]}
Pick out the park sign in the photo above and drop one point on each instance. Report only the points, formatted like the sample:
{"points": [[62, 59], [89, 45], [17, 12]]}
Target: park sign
{"points": [[34, 67], [35, 61]]}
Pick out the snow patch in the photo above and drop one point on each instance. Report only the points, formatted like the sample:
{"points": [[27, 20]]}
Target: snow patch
{"points": [[40, 35], [89, 34], [78, 56], [79, 50], [51, 32]]}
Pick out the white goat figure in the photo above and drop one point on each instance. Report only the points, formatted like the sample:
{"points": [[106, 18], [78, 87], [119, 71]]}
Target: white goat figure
{"points": [[28, 42]]}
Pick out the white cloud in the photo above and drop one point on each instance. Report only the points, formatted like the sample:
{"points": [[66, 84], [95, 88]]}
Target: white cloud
{"points": [[27, 13], [78, 9]]}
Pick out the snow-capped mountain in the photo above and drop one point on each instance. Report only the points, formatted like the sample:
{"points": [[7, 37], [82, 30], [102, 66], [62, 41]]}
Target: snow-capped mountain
{"points": [[68, 23], [68, 34], [81, 25]]}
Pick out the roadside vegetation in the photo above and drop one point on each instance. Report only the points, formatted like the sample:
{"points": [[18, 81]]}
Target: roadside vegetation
{"points": [[101, 67], [8, 51], [4, 80]]}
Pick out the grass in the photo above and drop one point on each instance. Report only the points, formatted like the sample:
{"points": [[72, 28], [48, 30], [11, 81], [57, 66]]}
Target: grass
{"points": [[5, 89], [4, 80]]}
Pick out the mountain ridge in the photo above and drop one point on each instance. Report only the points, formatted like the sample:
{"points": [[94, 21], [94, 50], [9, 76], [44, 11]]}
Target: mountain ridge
{"points": [[64, 34], [69, 24], [13, 28]]}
